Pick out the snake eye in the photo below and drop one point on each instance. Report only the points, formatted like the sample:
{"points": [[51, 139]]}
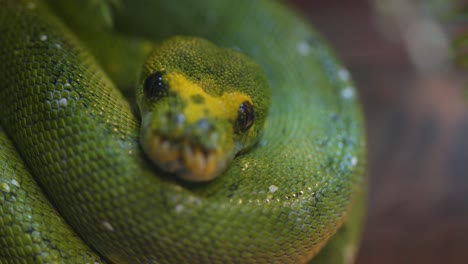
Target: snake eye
{"points": [[245, 117], [154, 85]]}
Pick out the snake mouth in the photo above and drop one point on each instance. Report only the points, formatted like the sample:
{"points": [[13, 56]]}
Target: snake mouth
{"points": [[184, 158]]}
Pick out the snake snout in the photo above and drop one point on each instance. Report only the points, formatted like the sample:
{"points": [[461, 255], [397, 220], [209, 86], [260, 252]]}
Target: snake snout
{"points": [[173, 126]]}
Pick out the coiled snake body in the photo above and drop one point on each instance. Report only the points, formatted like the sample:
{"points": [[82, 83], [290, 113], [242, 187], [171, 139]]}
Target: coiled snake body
{"points": [[297, 191]]}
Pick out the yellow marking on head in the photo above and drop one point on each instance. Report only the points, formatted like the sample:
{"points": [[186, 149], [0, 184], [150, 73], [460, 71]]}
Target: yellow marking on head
{"points": [[224, 106]]}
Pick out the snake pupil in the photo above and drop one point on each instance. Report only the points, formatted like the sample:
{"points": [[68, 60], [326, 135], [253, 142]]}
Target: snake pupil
{"points": [[245, 117], [154, 85]]}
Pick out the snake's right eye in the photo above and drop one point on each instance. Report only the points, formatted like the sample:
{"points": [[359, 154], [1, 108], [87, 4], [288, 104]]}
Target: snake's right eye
{"points": [[154, 85], [245, 117]]}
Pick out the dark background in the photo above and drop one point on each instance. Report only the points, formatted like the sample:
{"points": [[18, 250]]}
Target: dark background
{"points": [[417, 127]]}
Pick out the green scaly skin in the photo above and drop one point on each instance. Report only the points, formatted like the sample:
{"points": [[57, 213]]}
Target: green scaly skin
{"points": [[280, 202]]}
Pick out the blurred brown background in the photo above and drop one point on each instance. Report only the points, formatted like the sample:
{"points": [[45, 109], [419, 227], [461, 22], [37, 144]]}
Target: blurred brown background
{"points": [[417, 126]]}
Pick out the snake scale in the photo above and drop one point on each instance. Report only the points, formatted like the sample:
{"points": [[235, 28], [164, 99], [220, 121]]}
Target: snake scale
{"points": [[77, 187]]}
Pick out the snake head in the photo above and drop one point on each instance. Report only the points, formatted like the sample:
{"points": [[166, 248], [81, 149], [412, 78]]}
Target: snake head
{"points": [[200, 105]]}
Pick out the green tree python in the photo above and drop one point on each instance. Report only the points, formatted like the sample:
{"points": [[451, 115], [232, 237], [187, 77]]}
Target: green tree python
{"points": [[228, 170]]}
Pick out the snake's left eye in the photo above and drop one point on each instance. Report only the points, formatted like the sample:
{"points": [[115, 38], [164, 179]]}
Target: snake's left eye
{"points": [[245, 117], [154, 85]]}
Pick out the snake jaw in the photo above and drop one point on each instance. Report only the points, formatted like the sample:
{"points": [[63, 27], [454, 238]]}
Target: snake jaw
{"points": [[185, 159]]}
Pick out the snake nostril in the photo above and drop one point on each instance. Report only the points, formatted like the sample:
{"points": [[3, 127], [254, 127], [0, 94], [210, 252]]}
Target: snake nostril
{"points": [[177, 118], [177, 125], [203, 125], [171, 124]]}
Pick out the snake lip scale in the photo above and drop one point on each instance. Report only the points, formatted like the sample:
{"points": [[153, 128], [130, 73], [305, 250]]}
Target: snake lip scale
{"points": [[185, 158]]}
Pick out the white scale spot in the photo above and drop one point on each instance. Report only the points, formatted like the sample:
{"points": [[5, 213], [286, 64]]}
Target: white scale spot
{"points": [[303, 48], [107, 226], [58, 46], [347, 93], [179, 208], [343, 74], [15, 182], [273, 188], [354, 161], [245, 166], [63, 102]]}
